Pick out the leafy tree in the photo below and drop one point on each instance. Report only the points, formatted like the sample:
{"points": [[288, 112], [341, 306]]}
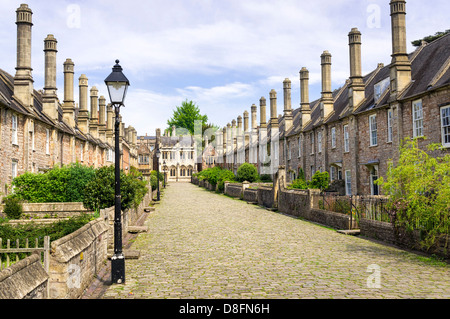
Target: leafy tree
{"points": [[247, 172], [419, 191], [430, 38], [185, 116]]}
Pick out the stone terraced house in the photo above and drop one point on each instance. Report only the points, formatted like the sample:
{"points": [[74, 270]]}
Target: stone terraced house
{"points": [[353, 132], [38, 131]]}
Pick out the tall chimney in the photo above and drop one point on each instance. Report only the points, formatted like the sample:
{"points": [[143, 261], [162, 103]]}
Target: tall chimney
{"points": [[262, 107], [288, 118], [400, 66], [102, 119], [246, 127], [69, 101], [109, 124], [357, 89], [327, 94], [273, 109], [23, 80], [239, 126], [50, 99], [254, 117], [304, 89], [83, 114], [93, 123]]}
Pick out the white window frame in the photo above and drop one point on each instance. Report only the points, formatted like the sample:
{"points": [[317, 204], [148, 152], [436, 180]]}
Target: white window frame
{"points": [[332, 173], [390, 118], [14, 130], [47, 142], [373, 130], [319, 141], [333, 137], [289, 150], [417, 114], [348, 183], [445, 125], [346, 139], [82, 152], [311, 137]]}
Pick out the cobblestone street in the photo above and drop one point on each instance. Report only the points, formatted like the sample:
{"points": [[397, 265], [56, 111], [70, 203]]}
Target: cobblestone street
{"points": [[204, 245]]}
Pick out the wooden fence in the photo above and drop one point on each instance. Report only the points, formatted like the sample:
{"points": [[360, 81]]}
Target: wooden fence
{"points": [[24, 250]]}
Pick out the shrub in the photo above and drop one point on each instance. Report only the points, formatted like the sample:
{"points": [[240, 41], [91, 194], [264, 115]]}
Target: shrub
{"points": [[13, 207], [247, 172], [265, 178], [419, 191], [299, 184], [320, 181], [155, 173]]}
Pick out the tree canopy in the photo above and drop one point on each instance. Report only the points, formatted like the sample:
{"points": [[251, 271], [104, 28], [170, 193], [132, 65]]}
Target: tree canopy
{"points": [[430, 38], [185, 116]]}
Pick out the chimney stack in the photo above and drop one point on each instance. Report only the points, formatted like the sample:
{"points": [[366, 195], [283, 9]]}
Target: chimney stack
{"points": [[93, 123], [23, 80], [400, 66], [304, 88], [273, 109], [109, 124], [327, 94], [50, 99], [288, 118], [102, 119], [69, 101], [246, 127], [254, 117], [262, 107], [83, 114], [357, 89]]}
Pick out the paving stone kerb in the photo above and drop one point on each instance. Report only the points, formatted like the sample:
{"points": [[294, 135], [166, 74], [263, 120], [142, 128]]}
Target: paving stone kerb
{"points": [[204, 245]]}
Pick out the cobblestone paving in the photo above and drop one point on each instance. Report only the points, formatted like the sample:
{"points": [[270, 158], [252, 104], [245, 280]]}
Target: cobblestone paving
{"points": [[208, 246]]}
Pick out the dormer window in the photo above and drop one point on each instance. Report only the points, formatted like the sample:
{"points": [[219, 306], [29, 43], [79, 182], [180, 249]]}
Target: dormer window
{"points": [[380, 88]]}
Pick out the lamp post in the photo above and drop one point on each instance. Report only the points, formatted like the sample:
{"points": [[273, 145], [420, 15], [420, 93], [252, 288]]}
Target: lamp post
{"points": [[117, 85], [158, 155], [165, 172]]}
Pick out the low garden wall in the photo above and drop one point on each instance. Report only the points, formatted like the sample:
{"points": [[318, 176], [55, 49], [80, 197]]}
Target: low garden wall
{"points": [[52, 210], [26, 279], [251, 195]]}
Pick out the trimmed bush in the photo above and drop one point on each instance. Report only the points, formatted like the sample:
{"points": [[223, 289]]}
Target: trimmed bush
{"points": [[13, 207], [247, 172]]}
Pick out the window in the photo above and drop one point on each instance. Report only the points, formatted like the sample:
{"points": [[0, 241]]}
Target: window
{"points": [[417, 118], [319, 141], [81, 151], [47, 142], [14, 125], [380, 87], [373, 179], [445, 125], [312, 171], [373, 130], [348, 183], [346, 140], [311, 137], [333, 137], [172, 155], [389, 125], [14, 169], [332, 173], [300, 146], [289, 151]]}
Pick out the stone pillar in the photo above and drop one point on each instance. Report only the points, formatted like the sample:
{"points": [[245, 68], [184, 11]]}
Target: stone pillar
{"points": [[49, 98], [69, 101], [83, 114], [288, 117], [23, 80], [304, 95], [327, 94], [400, 66], [93, 124], [357, 89]]}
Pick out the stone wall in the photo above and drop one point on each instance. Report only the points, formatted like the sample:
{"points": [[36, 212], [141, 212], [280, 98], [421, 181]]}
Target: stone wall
{"points": [[60, 210], [294, 203], [234, 190], [266, 197], [26, 279], [76, 258], [251, 195]]}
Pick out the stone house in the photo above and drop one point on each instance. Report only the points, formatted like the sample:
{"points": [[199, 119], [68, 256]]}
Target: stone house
{"points": [[38, 131], [355, 131]]}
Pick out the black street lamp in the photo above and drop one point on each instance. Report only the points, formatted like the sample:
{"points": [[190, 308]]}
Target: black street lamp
{"points": [[158, 155], [117, 85], [165, 172]]}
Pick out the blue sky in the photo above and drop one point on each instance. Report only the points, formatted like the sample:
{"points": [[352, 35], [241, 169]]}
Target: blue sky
{"points": [[222, 54]]}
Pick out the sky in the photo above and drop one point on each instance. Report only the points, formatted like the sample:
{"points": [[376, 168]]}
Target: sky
{"points": [[222, 54]]}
